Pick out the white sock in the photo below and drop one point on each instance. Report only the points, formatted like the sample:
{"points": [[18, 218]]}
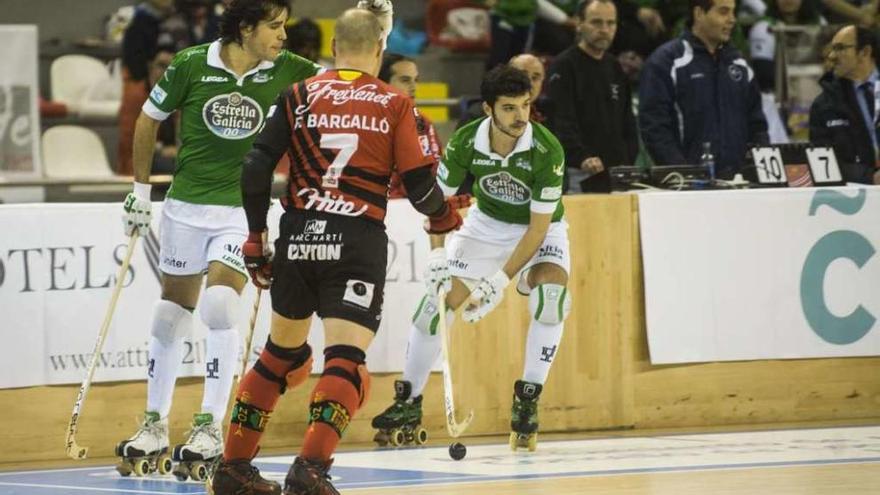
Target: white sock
{"points": [[542, 346], [421, 354], [221, 363], [171, 323]]}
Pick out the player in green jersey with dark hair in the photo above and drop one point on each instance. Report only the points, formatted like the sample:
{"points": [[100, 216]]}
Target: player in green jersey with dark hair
{"points": [[224, 91], [516, 229]]}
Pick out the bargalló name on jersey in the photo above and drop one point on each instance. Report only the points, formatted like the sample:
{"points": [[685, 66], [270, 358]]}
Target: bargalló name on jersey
{"points": [[233, 116], [334, 121], [506, 188]]}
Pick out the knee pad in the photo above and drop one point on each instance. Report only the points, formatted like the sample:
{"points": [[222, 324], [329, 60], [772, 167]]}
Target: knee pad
{"points": [[426, 317], [171, 321], [298, 364], [219, 307], [549, 303]]}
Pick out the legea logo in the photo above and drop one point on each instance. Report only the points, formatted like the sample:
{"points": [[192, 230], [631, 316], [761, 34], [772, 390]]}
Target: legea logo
{"points": [[839, 244]]}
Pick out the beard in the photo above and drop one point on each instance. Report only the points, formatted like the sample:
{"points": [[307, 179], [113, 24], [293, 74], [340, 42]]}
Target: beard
{"points": [[511, 130]]}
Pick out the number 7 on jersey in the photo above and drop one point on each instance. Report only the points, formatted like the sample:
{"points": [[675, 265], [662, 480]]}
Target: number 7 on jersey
{"points": [[347, 144]]}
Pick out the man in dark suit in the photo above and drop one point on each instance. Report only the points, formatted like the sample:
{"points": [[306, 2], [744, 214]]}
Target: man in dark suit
{"points": [[845, 115]]}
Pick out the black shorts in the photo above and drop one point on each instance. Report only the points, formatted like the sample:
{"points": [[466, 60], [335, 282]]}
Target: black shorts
{"points": [[329, 264]]}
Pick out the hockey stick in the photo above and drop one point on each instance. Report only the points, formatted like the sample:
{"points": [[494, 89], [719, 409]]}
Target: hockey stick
{"points": [[250, 335], [454, 428], [74, 450]]}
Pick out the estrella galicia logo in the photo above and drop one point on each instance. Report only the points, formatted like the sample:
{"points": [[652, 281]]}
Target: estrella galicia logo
{"points": [[506, 188], [233, 116], [839, 244]]}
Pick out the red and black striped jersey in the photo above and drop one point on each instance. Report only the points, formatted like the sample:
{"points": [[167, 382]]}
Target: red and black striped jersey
{"points": [[344, 132]]}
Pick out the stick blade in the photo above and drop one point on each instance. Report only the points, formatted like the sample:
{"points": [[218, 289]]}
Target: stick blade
{"points": [[76, 452], [455, 428]]}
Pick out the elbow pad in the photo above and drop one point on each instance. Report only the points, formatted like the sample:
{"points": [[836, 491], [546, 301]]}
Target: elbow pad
{"points": [[423, 192]]}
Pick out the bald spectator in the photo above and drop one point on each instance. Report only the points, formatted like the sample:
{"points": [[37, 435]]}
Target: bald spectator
{"points": [[534, 68], [592, 107]]}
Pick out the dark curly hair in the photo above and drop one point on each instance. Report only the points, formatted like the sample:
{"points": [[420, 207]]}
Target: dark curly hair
{"points": [[247, 13], [504, 80]]}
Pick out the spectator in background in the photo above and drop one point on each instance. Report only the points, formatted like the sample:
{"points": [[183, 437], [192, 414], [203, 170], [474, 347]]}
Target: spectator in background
{"points": [[844, 115], [304, 39], [860, 12], [403, 73], [534, 68], [762, 50], [552, 36], [640, 28], [762, 41], [512, 24], [699, 89], [139, 46], [592, 106], [165, 157], [195, 23]]}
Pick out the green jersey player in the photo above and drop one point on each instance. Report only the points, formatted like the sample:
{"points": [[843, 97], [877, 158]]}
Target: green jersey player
{"points": [[224, 91], [516, 228]]}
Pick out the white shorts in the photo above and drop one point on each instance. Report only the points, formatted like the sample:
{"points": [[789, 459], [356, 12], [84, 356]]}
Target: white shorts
{"points": [[483, 245], [191, 236]]}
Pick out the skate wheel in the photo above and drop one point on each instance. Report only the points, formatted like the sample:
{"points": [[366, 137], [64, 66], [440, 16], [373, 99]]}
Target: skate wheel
{"points": [[141, 467], [381, 438], [124, 468], [198, 471], [533, 442], [421, 436], [514, 441], [397, 438], [164, 464]]}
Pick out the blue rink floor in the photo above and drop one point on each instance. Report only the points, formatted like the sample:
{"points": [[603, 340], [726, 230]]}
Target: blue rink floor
{"points": [[427, 466]]}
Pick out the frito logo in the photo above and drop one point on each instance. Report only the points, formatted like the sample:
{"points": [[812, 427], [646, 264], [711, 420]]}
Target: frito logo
{"points": [[505, 187], [233, 116]]}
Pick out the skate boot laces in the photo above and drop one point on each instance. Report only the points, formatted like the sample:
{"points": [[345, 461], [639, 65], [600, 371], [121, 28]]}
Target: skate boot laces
{"points": [[151, 428], [204, 437]]}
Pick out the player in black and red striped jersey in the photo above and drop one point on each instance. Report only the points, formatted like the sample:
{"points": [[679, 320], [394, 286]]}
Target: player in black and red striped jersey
{"points": [[342, 130]]}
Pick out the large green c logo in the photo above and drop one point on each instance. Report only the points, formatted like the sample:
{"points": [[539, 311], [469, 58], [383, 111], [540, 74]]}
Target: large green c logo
{"points": [[830, 327]]}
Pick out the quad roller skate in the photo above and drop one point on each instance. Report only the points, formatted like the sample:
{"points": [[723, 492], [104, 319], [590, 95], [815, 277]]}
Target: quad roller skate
{"points": [[240, 476], [309, 477], [524, 416], [400, 424], [196, 456], [147, 450]]}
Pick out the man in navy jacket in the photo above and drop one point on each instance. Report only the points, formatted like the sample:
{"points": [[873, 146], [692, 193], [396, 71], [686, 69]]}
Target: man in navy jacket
{"points": [[697, 88]]}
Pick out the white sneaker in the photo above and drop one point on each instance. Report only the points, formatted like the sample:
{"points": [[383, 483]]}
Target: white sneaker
{"points": [[151, 438], [205, 440]]}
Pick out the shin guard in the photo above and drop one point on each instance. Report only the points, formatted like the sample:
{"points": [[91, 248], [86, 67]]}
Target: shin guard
{"points": [[341, 391], [259, 392]]}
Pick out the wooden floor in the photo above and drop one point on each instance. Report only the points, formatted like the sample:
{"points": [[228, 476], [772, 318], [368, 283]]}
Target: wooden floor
{"points": [[831, 460], [850, 479]]}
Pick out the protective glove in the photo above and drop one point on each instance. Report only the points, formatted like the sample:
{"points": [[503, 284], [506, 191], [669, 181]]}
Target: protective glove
{"points": [[437, 272], [485, 297], [138, 210], [258, 254], [383, 10]]}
